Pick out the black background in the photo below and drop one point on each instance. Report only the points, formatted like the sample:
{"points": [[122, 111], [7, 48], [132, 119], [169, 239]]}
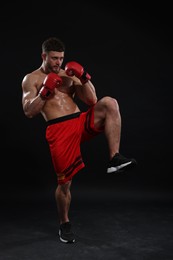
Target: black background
{"points": [[127, 49]]}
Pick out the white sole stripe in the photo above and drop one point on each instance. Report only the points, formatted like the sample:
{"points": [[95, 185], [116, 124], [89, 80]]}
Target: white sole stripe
{"points": [[115, 169]]}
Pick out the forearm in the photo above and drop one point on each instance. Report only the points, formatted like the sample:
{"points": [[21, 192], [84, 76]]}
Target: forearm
{"points": [[33, 107], [88, 93]]}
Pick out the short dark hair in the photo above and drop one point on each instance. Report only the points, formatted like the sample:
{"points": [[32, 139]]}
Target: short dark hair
{"points": [[53, 44]]}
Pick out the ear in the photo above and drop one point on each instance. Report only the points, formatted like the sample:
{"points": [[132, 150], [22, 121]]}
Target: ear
{"points": [[43, 55]]}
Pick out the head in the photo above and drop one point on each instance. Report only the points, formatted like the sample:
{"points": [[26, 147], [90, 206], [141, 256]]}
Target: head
{"points": [[52, 54]]}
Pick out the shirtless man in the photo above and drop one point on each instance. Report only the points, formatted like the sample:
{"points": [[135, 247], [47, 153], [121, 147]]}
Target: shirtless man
{"points": [[50, 90]]}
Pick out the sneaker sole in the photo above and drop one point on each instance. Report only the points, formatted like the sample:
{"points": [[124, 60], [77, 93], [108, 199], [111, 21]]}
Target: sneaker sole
{"points": [[65, 241], [121, 167]]}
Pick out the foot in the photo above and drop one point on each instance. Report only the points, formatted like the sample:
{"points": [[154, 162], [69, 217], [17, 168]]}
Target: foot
{"points": [[65, 233], [120, 163]]}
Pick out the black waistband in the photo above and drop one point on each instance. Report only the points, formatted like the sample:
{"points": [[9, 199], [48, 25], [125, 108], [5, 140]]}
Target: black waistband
{"points": [[63, 118]]}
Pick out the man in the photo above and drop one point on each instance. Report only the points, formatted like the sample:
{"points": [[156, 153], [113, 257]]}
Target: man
{"points": [[50, 90]]}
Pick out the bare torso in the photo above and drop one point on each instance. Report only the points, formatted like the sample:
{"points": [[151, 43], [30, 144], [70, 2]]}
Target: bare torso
{"points": [[61, 103]]}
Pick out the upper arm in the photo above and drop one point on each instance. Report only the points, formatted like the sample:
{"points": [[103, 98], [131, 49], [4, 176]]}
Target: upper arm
{"points": [[29, 88]]}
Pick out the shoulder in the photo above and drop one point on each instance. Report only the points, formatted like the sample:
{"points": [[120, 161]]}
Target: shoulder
{"points": [[35, 77], [33, 74]]}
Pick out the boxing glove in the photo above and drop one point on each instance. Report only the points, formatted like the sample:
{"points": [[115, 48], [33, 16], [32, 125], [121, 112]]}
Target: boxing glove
{"points": [[73, 68], [51, 81]]}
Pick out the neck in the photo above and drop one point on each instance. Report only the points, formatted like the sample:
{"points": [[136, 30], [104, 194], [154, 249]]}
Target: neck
{"points": [[43, 70]]}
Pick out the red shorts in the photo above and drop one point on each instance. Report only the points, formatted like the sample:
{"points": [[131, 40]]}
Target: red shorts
{"points": [[64, 136]]}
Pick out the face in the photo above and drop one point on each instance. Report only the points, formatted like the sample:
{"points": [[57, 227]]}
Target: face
{"points": [[53, 61]]}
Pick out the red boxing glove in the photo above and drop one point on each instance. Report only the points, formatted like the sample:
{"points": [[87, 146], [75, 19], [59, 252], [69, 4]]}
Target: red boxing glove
{"points": [[73, 68], [51, 81]]}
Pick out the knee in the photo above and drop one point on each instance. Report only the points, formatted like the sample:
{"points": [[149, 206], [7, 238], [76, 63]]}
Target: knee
{"points": [[64, 188], [111, 103]]}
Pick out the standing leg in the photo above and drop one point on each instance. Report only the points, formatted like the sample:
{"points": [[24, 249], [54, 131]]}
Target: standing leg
{"points": [[63, 200]]}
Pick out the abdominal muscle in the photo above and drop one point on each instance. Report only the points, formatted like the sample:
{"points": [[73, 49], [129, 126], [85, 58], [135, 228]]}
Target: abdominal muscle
{"points": [[61, 104]]}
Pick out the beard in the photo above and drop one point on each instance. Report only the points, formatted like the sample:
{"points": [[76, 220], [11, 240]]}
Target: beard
{"points": [[55, 69]]}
